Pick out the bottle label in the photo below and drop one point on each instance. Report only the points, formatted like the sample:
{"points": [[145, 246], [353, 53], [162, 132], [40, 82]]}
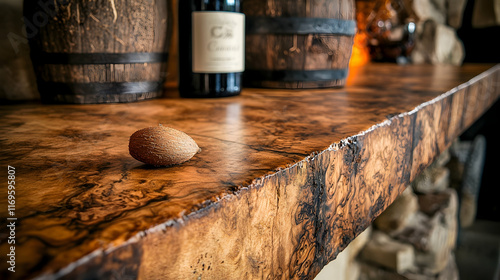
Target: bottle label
{"points": [[218, 42]]}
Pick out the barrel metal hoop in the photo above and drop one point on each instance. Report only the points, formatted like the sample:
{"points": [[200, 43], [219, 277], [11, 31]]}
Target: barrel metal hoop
{"points": [[299, 25], [296, 75], [56, 88], [98, 58]]}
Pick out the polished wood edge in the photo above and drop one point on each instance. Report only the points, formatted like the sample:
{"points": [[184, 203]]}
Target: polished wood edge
{"points": [[293, 222]]}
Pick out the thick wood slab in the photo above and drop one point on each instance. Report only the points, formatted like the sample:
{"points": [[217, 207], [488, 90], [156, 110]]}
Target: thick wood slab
{"points": [[285, 179]]}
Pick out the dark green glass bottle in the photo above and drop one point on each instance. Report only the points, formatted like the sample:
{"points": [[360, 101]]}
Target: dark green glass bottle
{"points": [[211, 48]]}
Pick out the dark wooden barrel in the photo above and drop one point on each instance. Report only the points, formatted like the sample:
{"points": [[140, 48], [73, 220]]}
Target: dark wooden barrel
{"points": [[101, 51], [298, 44]]}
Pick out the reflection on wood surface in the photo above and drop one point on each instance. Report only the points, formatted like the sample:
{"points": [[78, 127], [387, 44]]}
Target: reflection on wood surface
{"points": [[284, 181]]}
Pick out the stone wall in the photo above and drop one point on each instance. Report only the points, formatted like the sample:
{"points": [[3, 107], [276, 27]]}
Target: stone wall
{"points": [[437, 41], [416, 236]]}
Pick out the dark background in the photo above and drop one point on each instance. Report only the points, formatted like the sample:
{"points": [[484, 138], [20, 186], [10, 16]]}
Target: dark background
{"points": [[482, 45], [488, 207]]}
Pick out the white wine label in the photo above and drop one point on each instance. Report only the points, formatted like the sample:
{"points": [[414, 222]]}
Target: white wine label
{"points": [[218, 42]]}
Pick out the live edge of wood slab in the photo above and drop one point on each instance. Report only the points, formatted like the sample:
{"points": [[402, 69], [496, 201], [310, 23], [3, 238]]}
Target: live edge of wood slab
{"points": [[285, 179]]}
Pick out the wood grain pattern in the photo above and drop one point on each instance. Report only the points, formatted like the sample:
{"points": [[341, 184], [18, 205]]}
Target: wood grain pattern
{"points": [[285, 179], [109, 27], [294, 51]]}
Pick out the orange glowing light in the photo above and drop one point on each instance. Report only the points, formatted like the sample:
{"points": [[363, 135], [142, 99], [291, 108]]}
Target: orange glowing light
{"points": [[360, 52]]}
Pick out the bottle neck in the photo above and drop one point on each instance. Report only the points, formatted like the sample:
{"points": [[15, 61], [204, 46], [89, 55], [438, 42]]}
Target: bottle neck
{"points": [[217, 5]]}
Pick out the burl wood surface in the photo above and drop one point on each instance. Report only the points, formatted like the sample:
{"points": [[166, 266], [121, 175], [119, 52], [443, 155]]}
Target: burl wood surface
{"points": [[285, 179]]}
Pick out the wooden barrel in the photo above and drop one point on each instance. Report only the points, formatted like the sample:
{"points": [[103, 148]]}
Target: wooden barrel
{"points": [[101, 51], [298, 44]]}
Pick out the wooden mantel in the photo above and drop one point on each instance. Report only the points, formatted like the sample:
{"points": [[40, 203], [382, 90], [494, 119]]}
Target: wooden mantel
{"points": [[285, 179]]}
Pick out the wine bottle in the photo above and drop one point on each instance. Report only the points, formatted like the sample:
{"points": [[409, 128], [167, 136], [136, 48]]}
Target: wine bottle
{"points": [[211, 48]]}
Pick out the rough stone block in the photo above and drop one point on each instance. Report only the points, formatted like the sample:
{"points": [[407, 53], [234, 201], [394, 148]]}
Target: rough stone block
{"points": [[455, 12], [431, 203], [434, 236], [471, 181], [430, 9], [448, 47], [373, 272], [450, 272], [389, 253], [396, 216], [437, 43], [443, 158], [433, 179], [336, 269], [486, 13], [344, 266]]}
